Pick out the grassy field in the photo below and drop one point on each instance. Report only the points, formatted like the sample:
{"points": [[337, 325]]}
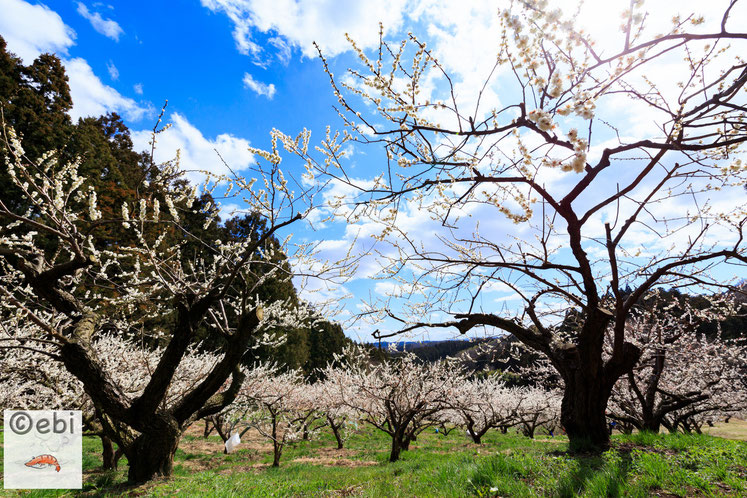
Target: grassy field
{"points": [[505, 465]]}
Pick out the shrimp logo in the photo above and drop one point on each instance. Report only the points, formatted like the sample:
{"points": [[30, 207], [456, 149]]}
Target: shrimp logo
{"points": [[41, 449], [43, 462]]}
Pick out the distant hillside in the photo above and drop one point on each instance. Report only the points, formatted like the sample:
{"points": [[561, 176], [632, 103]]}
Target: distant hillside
{"points": [[479, 356], [434, 350], [492, 354]]}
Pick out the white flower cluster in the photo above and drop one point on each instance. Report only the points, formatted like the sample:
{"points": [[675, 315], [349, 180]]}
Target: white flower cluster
{"points": [[578, 163], [583, 106], [542, 118], [483, 404], [32, 381], [557, 86]]}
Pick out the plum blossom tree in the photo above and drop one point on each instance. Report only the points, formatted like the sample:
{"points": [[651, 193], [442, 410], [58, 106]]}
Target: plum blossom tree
{"points": [[721, 406], [330, 398], [279, 408], [483, 404], [682, 376], [537, 408], [398, 397], [31, 381], [81, 287], [598, 206], [233, 418]]}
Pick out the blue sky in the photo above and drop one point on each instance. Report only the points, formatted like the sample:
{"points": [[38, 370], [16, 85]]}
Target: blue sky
{"points": [[189, 57], [234, 69]]}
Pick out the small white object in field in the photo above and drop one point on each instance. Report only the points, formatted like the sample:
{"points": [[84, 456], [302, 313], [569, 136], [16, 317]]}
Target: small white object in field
{"points": [[233, 442]]}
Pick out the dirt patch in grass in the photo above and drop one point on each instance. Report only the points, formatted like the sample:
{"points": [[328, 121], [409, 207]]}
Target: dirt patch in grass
{"points": [[735, 429], [723, 488], [554, 441], [201, 446], [252, 440], [741, 471], [197, 428], [335, 453], [200, 464], [334, 462], [125, 489], [254, 468], [691, 492], [347, 491], [467, 445]]}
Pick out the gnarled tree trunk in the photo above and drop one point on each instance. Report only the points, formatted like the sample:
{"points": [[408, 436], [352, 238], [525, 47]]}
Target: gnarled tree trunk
{"points": [[588, 385], [582, 412], [152, 454]]}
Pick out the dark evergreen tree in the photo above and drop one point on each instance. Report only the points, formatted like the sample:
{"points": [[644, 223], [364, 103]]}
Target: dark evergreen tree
{"points": [[35, 101], [325, 340]]}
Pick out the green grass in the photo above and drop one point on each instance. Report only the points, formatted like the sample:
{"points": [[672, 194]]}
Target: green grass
{"points": [[638, 465]]}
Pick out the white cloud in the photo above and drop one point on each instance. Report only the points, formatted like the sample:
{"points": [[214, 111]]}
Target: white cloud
{"points": [[92, 98], [391, 288], [511, 297], [106, 27], [284, 50], [113, 71], [138, 88], [196, 151], [228, 211], [452, 30], [302, 23], [31, 30], [258, 87]]}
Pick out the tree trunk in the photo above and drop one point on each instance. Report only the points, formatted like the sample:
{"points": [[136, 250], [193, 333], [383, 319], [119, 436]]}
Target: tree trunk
{"points": [[336, 432], [396, 448], [476, 436], [588, 385], [152, 455], [340, 444], [398, 443], [652, 424], [208, 429], [107, 454], [406, 444], [582, 412], [277, 451]]}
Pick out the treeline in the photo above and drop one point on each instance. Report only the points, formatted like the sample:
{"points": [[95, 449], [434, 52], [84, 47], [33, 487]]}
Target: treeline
{"points": [[431, 350], [35, 101]]}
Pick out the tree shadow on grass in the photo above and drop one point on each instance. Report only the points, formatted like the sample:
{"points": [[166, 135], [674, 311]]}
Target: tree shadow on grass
{"points": [[114, 483], [595, 474]]}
